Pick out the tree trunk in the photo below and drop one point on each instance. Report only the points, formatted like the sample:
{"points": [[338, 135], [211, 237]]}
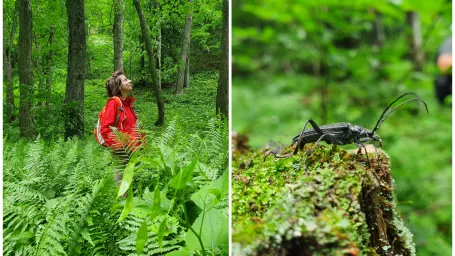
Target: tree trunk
{"points": [[157, 8], [118, 42], [183, 65], [8, 68], [222, 94], [151, 58], [415, 39], [74, 96], [159, 55], [39, 67], [142, 60], [186, 80], [8, 76], [379, 37], [26, 126], [48, 69]]}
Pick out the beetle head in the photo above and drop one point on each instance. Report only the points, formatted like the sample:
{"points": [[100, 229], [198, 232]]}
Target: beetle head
{"points": [[368, 136], [377, 139]]}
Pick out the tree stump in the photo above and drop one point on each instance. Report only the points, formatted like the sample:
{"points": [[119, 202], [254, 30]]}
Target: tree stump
{"points": [[338, 207]]}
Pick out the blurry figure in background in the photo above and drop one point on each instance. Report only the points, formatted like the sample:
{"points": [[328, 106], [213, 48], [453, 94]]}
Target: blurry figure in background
{"points": [[443, 82]]}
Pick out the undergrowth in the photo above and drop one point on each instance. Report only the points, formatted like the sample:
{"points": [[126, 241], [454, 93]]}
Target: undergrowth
{"points": [[60, 197]]}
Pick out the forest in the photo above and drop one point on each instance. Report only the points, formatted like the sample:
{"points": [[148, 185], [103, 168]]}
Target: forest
{"points": [[335, 61], [59, 191]]}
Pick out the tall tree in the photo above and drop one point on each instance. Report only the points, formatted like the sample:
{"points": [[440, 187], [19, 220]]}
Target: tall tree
{"points": [[151, 58], [8, 67], [48, 67], [26, 126], [74, 94], [39, 67], [159, 41], [184, 66], [118, 37], [379, 35], [222, 94], [415, 39]]}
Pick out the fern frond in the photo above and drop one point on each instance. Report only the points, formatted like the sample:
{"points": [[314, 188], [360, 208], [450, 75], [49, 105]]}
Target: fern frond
{"points": [[168, 134], [172, 241], [49, 238]]}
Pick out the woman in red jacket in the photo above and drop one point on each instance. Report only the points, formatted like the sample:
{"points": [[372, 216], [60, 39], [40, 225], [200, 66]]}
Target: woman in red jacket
{"points": [[126, 139]]}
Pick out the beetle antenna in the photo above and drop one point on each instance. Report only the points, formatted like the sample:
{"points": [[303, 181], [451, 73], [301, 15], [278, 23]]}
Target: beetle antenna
{"points": [[383, 118]]}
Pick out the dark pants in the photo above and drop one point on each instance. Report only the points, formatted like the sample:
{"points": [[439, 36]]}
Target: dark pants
{"points": [[443, 87], [121, 158]]}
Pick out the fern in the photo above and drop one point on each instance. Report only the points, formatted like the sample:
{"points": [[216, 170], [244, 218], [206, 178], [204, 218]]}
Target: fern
{"points": [[59, 198], [168, 134], [49, 238], [38, 218], [172, 241]]}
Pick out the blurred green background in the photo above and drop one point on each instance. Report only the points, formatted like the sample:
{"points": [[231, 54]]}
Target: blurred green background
{"points": [[335, 61]]}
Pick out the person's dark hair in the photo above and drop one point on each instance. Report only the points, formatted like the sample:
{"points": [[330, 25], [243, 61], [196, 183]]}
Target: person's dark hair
{"points": [[114, 83]]}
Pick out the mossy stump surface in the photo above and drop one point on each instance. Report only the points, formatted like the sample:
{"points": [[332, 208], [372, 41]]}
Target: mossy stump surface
{"points": [[338, 207]]}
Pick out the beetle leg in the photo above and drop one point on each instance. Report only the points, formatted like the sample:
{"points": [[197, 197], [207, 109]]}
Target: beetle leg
{"points": [[299, 141], [360, 145]]}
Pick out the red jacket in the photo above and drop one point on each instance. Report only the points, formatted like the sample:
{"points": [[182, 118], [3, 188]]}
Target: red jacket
{"points": [[126, 124]]}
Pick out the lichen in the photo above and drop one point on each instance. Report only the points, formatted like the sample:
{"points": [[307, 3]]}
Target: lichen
{"points": [[280, 209]]}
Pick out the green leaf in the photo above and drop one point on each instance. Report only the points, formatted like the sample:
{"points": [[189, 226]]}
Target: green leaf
{"points": [[86, 235], [22, 235], [209, 195], [182, 252], [153, 163], [141, 237], [128, 206], [156, 203], [181, 179], [215, 231], [127, 177], [161, 232]]}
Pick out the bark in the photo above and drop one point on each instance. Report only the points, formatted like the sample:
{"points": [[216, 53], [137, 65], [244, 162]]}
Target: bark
{"points": [[26, 125], [48, 68], [415, 39], [74, 96], [222, 95], [118, 37], [183, 75], [8, 69], [159, 55], [142, 60], [159, 39], [88, 67], [186, 80], [151, 58], [39, 66]]}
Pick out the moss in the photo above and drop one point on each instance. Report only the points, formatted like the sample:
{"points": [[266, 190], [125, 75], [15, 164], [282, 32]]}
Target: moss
{"points": [[279, 209]]}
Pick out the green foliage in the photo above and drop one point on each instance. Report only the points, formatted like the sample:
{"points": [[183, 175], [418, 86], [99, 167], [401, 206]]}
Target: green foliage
{"points": [[174, 235], [60, 198], [176, 159], [48, 194]]}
